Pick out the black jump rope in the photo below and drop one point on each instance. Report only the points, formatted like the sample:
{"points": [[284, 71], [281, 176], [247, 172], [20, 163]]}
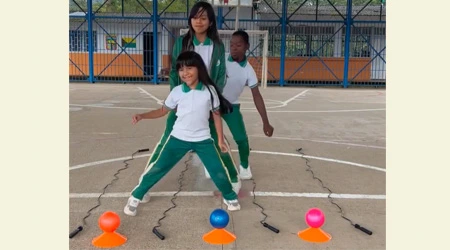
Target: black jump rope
{"points": [[116, 177], [180, 186], [309, 169]]}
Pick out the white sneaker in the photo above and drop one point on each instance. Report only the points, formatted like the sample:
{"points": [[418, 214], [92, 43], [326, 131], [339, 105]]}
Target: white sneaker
{"points": [[232, 205], [146, 198], [131, 207], [245, 174], [236, 186]]}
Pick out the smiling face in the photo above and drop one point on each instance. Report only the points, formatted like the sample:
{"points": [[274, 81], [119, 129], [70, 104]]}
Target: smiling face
{"points": [[200, 22], [189, 75]]}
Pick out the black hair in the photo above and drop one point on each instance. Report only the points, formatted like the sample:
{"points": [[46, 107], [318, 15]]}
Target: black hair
{"points": [[212, 32], [243, 34], [193, 59]]}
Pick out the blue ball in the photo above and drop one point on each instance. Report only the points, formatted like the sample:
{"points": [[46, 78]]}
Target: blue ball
{"points": [[219, 218]]}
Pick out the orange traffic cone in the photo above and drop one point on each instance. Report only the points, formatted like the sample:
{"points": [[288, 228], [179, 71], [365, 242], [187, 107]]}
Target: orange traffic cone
{"points": [[109, 222], [219, 236], [314, 219], [315, 235], [219, 219]]}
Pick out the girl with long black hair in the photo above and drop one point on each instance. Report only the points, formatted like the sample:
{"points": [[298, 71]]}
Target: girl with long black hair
{"points": [[194, 102]]}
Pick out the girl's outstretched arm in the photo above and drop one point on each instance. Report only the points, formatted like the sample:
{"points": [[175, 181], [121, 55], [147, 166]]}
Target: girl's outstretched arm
{"points": [[157, 113]]}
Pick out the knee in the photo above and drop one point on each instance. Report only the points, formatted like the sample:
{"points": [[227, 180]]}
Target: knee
{"points": [[154, 170]]}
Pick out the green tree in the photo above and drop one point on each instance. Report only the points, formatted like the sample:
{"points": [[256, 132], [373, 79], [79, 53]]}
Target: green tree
{"points": [[130, 6], [325, 2], [135, 6]]}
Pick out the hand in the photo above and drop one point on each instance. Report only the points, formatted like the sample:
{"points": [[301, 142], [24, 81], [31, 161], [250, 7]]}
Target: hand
{"points": [[223, 147], [136, 118], [268, 129]]}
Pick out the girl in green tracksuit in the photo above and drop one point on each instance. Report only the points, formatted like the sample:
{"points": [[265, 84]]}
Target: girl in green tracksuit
{"points": [[194, 102]]}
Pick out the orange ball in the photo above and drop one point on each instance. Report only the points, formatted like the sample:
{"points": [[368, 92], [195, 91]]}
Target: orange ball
{"points": [[109, 221]]}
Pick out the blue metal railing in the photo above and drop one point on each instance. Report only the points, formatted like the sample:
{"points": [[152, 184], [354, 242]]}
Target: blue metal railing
{"points": [[308, 45]]}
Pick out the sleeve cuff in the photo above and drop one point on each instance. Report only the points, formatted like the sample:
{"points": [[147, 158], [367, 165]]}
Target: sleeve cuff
{"points": [[167, 107], [253, 86]]}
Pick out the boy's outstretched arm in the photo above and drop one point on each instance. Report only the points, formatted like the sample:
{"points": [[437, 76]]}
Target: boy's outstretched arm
{"points": [[157, 113], [261, 107]]}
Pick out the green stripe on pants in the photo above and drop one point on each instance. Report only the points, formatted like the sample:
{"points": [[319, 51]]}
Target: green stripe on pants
{"points": [[172, 152], [226, 157], [171, 118]]}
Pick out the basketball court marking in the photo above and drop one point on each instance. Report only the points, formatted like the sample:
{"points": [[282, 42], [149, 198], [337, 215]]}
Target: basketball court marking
{"points": [[268, 108], [293, 98], [152, 96], [329, 142], [261, 194], [212, 194], [243, 110], [95, 163]]}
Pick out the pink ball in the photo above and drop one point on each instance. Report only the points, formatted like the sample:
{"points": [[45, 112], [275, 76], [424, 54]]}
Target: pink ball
{"points": [[314, 218]]}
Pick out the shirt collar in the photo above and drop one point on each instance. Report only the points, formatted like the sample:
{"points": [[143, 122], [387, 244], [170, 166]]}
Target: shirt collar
{"points": [[243, 63], [186, 88], [206, 42]]}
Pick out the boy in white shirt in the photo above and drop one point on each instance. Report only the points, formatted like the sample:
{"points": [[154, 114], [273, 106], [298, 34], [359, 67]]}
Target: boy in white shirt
{"points": [[240, 74]]}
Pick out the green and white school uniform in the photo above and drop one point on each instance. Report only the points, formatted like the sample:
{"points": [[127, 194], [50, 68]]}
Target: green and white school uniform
{"points": [[213, 55], [239, 76], [191, 131]]}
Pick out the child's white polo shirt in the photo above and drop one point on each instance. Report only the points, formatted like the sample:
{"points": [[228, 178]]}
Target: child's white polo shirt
{"points": [[239, 75], [193, 108]]}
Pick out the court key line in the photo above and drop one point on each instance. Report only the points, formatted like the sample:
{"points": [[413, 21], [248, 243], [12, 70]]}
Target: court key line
{"points": [[320, 141], [243, 109], [234, 150], [282, 104], [152, 96], [212, 193]]}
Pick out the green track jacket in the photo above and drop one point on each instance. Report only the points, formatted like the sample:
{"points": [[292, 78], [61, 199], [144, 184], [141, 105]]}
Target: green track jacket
{"points": [[217, 67]]}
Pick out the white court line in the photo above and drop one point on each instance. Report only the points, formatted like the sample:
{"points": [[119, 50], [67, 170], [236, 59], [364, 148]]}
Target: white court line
{"points": [[330, 142], [357, 102], [293, 98], [152, 96], [99, 106], [265, 100], [211, 194], [319, 111], [245, 109], [319, 158], [90, 164], [282, 104]]}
